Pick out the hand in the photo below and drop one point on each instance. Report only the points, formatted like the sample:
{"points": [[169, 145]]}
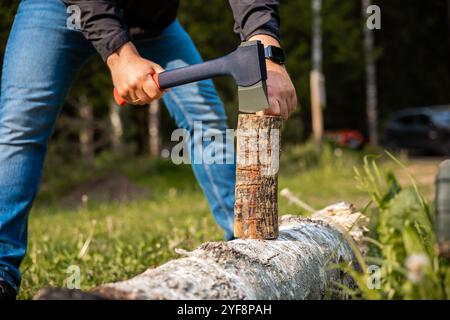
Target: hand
{"points": [[282, 95], [132, 75]]}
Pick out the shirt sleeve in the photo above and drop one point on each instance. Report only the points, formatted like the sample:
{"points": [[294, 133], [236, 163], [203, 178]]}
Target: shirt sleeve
{"points": [[256, 17], [101, 23]]}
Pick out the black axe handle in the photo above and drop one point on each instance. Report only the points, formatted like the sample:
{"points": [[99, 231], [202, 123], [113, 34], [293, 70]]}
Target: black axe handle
{"points": [[184, 75], [196, 72], [246, 65]]}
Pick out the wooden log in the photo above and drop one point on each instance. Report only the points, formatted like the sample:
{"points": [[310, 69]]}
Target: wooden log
{"points": [[295, 266], [257, 163]]}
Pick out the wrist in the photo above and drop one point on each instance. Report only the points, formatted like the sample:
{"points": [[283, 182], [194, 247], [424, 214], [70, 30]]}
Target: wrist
{"points": [[269, 41], [266, 40], [273, 66], [124, 52]]}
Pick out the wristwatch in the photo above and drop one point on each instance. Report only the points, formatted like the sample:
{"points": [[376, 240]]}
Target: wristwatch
{"points": [[274, 54]]}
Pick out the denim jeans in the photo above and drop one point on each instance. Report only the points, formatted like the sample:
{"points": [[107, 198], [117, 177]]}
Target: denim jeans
{"points": [[41, 59]]}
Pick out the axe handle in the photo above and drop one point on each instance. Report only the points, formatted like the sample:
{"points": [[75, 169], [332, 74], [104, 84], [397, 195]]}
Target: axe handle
{"points": [[196, 72], [184, 75]]}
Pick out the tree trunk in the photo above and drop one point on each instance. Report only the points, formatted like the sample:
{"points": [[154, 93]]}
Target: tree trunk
{"points": [[116, 126], [317, 79], [295, 266], [317, 104], [258, 155], [86, 137], [153, 129], [371, 79]]}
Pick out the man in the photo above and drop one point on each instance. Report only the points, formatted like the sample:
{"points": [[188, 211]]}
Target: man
{"points": [[136, 39]]}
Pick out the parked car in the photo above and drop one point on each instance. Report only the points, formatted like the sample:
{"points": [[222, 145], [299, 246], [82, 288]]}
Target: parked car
{"points": [[420, 129]]}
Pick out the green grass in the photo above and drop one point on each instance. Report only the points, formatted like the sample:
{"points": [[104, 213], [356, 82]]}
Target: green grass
{"points": [[111, 242], [402, 236], [119, 239]]}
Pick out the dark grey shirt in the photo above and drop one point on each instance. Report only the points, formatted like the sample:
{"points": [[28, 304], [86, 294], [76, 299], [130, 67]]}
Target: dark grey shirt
{"points": [[108, 24]]}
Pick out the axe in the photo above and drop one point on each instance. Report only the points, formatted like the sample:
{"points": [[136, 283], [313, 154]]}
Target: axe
{"points": [[247, 66]]}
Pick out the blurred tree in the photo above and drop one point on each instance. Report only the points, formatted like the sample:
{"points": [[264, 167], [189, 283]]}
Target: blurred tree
{"points": [[371, 77], [154, 125], [86, 135], [116, 126], [317, 79]]}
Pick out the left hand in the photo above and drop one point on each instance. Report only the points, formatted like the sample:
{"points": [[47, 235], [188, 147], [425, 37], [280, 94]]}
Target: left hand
{"points": [[282, 95]]}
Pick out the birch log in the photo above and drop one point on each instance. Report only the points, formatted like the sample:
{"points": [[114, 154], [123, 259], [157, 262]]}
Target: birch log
{"points": [[295, 266], [258, 154]]}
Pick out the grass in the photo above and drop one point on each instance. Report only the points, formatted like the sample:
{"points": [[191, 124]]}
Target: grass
{"points": [[402, 240], [114, 241]]}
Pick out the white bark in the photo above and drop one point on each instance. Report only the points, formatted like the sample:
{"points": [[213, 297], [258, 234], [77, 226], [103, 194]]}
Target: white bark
{"points": [[295, 266]]}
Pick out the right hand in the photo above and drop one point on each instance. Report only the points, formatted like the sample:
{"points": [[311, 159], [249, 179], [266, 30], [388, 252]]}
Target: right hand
{"points": [[132, 75]]}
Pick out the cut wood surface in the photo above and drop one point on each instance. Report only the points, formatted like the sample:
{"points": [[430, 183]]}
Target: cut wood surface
{"points": [[298, 265], [257, 164]]}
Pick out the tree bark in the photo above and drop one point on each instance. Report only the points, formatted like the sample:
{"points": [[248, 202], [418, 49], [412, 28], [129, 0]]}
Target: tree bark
{"points": [[295, 266], [371, 78], [258, 154], [316, 77]]}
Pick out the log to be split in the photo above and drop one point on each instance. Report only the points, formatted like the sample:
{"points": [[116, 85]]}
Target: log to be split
{"points": [[297, 265], [257, 164]]}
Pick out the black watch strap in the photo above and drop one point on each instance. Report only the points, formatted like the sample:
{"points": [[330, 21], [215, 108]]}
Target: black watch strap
{"points": [[274, 54]]}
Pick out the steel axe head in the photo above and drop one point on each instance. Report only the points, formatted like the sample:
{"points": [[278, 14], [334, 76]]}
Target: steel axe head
{"points": [[248, 68]]}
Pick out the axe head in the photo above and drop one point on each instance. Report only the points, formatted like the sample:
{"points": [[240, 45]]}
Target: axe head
{"points": [[248, 68]]}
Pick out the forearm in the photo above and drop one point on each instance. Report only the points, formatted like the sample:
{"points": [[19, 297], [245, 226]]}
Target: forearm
{"points": [[256, 17], [102, 24]]}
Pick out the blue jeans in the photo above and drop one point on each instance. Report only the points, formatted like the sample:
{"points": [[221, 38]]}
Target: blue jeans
{"points": [[40, 62]]}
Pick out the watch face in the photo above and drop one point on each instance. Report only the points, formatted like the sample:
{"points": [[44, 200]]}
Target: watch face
{"points": [[278, 54], [275, 54]]}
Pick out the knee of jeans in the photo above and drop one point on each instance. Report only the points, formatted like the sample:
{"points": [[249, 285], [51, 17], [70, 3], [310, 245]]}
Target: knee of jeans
{"points": [[23, 129]]}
